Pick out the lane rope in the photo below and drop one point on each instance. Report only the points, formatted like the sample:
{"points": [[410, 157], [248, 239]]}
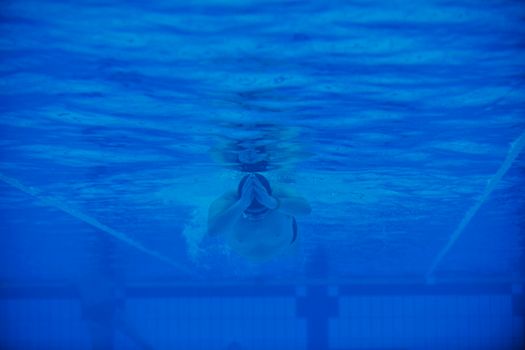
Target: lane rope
{"points": [[52, 202]]}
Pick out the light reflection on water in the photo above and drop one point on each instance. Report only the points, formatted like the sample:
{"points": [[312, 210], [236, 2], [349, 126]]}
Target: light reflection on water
{"points": [[389, 118]]}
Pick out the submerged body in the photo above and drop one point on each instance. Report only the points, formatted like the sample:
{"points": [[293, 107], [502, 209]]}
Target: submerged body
{"points": [[256, 222]]}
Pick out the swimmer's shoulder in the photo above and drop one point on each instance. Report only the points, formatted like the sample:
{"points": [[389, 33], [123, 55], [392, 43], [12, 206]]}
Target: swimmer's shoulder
{"points": [[223, 202], [229, 196], [282, 192]]}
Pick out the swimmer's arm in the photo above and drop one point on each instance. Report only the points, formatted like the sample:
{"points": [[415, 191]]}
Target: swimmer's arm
{"points": [[294, 206], [291, 204], [224, 213]]}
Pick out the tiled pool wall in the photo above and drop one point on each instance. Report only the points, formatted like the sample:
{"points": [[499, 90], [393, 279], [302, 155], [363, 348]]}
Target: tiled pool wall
{"points": [[309, 317]]}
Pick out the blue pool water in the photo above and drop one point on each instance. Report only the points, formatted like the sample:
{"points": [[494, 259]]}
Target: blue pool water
{"points": [[401, 123]]}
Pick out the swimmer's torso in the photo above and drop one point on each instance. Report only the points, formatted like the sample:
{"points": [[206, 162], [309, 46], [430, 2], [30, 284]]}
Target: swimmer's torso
{"points": [[262, 238]]}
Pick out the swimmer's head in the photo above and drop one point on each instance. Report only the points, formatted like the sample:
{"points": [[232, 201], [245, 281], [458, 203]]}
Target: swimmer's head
{"points": [[266, 184]]}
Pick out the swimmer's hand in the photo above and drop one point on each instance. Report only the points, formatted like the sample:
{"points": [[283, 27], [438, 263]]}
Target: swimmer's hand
{"points": [[262, 196], [248, 193]]}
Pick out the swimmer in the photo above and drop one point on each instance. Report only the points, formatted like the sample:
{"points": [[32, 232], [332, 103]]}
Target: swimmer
{"points": [[257, 221]]}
